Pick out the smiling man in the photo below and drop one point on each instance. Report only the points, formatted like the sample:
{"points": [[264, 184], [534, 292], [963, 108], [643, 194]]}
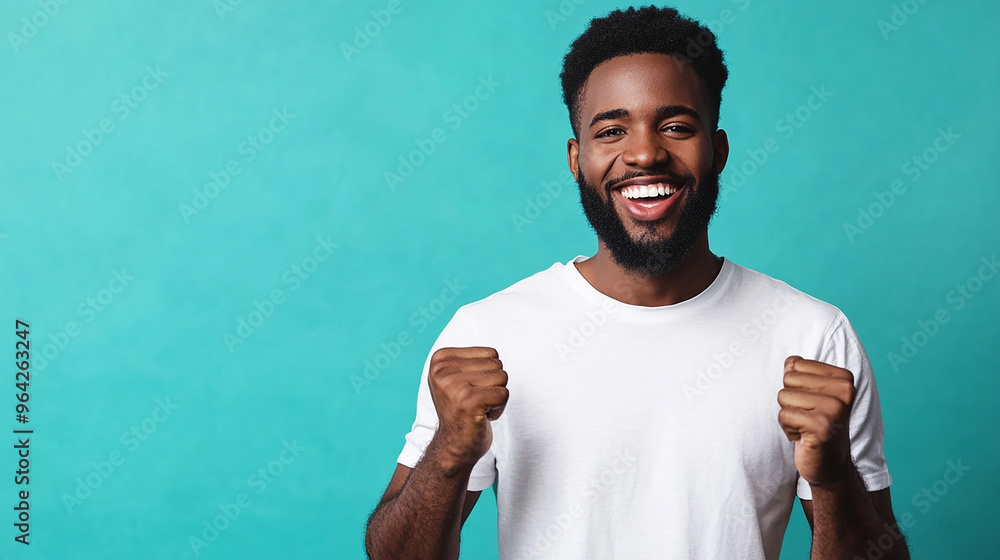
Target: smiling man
{"points": [[654, 400]]}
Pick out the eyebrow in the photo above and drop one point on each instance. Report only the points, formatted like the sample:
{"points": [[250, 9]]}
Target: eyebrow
{"points": [[663, 112]]}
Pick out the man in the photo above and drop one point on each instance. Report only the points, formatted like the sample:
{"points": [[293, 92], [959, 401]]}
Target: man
{"points": [[653, 401]]}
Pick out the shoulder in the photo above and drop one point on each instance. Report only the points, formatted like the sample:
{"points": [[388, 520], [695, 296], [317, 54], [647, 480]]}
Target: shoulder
{"points": [[536, 294], [771, 293], [819, 328], [530, 291]]}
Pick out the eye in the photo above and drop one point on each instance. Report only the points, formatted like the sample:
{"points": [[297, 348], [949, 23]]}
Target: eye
{"points": [[679, 129], [613, 131]]}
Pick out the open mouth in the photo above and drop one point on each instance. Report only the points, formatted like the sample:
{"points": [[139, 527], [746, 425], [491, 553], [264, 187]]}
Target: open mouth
{"points": [[649, 193], [648, 202]]}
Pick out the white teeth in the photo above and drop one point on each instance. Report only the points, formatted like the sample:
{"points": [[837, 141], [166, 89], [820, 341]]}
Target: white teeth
{"points": [[647, 191]]}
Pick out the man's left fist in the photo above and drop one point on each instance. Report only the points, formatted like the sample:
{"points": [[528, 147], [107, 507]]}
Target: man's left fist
{"points": [[815, 414]]}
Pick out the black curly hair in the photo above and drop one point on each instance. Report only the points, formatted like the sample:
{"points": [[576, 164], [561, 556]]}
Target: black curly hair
{"points": [[645, 30]]}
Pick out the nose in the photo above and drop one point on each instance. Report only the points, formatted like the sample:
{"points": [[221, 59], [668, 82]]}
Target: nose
{"points": [[644, 149]]}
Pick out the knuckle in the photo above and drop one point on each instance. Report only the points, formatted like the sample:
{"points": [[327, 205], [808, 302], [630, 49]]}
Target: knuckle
{"points": [[480, 352], [439, 379], [788, 377], [439, 368], [441, 354], [465, 393], [845, 389], [823, 424]]}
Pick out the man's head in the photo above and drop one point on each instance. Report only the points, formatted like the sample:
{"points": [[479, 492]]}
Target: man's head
{"points": [[643, 89], [646, 30]]}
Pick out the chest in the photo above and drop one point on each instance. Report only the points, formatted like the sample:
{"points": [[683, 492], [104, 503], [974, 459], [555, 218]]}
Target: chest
{"points": [[702, 410]]}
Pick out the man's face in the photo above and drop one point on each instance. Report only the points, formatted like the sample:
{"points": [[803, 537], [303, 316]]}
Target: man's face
{"points": [[645, 129]]}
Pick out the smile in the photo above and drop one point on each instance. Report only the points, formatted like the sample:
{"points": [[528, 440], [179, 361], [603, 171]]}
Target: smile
{"points": [[654, 190], [649, 202]]}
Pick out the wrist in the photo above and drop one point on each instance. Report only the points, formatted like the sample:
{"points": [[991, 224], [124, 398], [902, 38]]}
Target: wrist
{"points": [[449, 459], [837, 481]]}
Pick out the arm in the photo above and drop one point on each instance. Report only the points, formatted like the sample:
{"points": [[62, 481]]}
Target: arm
{"points": [[849, 521], [423, 509], [422, 512], [846, 519]]}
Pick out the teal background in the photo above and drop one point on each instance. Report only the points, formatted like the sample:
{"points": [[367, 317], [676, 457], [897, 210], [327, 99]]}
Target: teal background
{"points": [[323, 175]]}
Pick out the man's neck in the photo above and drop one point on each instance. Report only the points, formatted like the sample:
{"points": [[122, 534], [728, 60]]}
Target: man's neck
{"points": [[695, 273]]}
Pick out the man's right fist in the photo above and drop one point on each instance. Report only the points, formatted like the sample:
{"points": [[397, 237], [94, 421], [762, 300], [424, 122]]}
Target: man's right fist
{"points": [[469, 388]]}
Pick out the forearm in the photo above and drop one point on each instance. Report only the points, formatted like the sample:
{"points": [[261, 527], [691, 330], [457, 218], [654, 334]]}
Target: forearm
{"points": [[424, 519], [846, 524]]}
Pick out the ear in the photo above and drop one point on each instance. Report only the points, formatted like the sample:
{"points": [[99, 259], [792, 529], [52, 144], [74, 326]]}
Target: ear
{"points": [[573, 157], [720, 149]]}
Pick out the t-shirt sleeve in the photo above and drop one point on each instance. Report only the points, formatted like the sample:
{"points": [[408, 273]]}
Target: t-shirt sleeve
{"points": [[842, 348], [458, 333]]}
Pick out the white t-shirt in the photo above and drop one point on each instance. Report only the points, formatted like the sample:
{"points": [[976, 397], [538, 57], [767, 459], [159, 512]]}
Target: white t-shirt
{"points": [[649, 432]]}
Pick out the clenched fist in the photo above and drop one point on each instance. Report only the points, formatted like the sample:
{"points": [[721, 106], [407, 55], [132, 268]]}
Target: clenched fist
{"points": [[469, 388], [815, 414]]}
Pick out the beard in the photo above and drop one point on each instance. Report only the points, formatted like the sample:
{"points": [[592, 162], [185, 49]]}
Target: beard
{"points": [[649, 255]]}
